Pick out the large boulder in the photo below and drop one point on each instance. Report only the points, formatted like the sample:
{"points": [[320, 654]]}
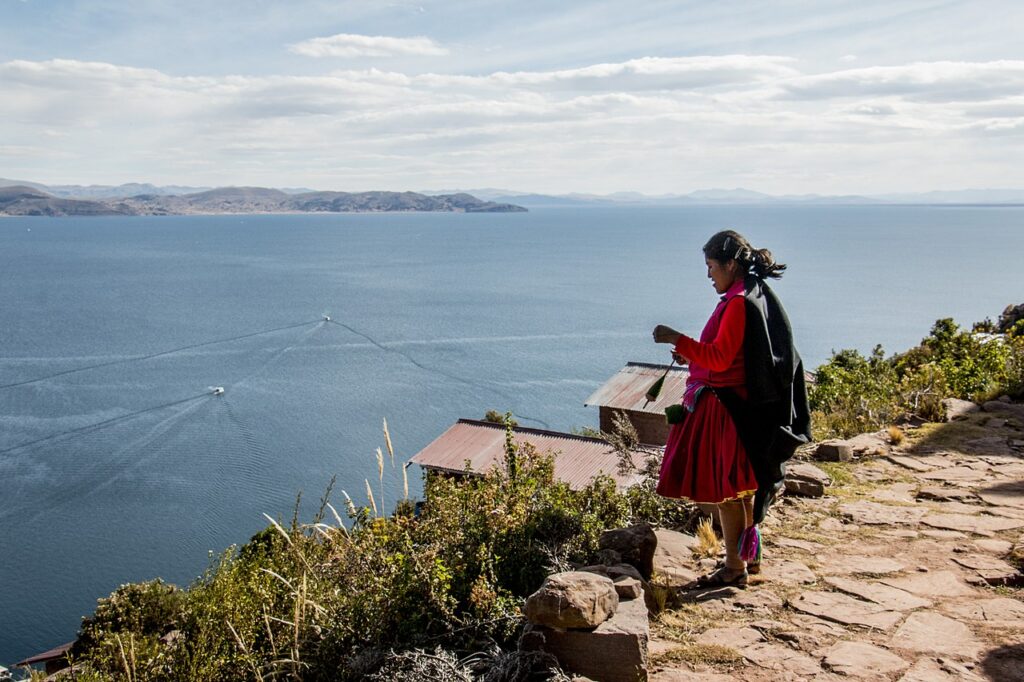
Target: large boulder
{"points": [[955, 408], [635, 544], [575, 599]]}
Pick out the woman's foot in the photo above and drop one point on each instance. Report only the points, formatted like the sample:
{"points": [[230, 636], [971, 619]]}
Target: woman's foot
{"points": [[723, 577]]}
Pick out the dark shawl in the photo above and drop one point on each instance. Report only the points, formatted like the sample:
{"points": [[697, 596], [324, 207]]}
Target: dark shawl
{"points": [[773, 420]]}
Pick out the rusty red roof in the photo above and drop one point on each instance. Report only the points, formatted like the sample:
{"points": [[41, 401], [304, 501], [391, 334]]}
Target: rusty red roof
{"points": [[626, 390], [578, 459], [53, 654]]}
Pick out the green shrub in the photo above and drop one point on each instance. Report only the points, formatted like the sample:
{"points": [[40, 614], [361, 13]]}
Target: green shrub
{"points": [[853, 393]]}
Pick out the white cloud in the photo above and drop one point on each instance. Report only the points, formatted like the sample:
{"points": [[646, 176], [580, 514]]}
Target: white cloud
{"points": [[933, 81], [648, 73], [661, 124], [354, 45]]}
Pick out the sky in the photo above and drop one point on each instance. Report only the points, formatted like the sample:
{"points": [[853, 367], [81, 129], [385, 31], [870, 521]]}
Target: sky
{"points": [[784, 97]]}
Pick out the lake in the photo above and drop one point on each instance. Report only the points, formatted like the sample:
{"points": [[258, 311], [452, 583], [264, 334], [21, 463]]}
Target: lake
{"points": [[118, 464]]}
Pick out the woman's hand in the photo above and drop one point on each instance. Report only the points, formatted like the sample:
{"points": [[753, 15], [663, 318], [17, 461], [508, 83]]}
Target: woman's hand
{"points": [[665, 334]]}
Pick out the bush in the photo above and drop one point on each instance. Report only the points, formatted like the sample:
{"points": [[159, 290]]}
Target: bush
{"points": [[853, 393], [324, 601]]}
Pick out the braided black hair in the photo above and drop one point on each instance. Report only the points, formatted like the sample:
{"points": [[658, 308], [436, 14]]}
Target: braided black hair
{"points": [[729, 245]]}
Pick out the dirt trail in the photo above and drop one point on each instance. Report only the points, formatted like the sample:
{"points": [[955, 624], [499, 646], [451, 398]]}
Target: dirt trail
{"points": [[907, 569]]}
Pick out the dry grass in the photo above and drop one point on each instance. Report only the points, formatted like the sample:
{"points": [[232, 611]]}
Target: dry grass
{"points": [[708, 545], [895, 435], [699, 654]]}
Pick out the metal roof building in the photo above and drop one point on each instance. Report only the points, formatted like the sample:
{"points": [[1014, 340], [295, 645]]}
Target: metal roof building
{"points": [[54, 660], [578, 459], [625, 392]]}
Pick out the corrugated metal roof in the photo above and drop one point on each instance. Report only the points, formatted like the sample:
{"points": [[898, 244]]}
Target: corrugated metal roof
{"points": [[626, 390], [54, 653], [578, 459]]}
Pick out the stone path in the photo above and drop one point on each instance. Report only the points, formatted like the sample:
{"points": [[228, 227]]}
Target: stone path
{"points": [[908, 568]]}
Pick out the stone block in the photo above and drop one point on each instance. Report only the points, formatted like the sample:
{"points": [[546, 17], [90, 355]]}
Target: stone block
{"points": [[833, 451], [615, 651], [574, 599], [628, 588], [806, 479]]}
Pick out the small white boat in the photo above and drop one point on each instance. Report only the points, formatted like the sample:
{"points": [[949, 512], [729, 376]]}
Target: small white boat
{"points": [[327, 318], [218, 390]]}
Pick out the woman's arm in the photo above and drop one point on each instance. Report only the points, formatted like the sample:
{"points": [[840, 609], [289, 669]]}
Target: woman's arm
{"points": [[718, 354]]}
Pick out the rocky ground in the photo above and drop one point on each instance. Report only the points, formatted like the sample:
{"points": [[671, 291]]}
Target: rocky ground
{"points": [[907, 568]]}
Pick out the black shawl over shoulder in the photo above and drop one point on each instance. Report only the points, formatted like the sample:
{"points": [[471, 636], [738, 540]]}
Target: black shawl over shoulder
{"points": [[773, 420]]}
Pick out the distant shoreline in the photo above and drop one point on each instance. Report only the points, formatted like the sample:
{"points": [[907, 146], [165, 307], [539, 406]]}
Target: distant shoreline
{"points": [[28, 201]]}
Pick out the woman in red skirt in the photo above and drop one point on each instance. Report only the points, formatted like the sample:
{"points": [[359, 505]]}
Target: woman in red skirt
{"points": [[705, 461]]}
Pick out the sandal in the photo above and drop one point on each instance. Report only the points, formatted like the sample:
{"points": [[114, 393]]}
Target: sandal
{"points": [[753, 567], [719, 579]]}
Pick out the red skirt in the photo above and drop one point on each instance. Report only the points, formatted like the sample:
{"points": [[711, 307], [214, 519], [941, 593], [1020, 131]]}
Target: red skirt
{"points": [[704, 458]]}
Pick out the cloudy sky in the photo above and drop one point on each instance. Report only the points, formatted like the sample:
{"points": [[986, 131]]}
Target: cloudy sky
{"points": [[654, 96]]}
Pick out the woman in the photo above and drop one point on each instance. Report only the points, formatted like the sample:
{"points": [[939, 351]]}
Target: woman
{"points": [[705, 457]]}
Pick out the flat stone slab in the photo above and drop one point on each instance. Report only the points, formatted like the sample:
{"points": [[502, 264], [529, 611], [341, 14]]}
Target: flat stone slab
{"points": [[873, 513], [846, 610], [937, 534], [992, 570], [931, 632], [861, 659], [946, 494], [989, 445], [1007, 494], [805, 545], [957, 474], [787, 572], [808, 633], [1000, 612], [846, 564], [734, 638], [677, 675], [884, 595], [781, 658], [757, 600], [939, 670], [994, 546], [934, 584], [897, 492], [979, 525], [912, 463]]}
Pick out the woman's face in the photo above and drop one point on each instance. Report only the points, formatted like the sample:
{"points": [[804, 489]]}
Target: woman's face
{"points": [[722, 275]]}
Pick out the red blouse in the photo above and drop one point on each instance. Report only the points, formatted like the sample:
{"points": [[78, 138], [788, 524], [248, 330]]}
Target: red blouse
{"points": [[716, 359]]}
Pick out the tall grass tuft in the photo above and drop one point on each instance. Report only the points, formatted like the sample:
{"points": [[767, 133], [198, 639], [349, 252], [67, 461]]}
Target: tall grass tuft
{"points": [[387, 442], [708, 545]]}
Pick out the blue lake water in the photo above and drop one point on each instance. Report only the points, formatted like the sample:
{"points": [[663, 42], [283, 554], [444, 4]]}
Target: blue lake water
{"points": [[449, 315]]}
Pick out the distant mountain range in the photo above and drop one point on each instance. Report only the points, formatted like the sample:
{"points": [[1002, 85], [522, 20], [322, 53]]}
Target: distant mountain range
{"points": [[746, 196], [33, 199]]}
